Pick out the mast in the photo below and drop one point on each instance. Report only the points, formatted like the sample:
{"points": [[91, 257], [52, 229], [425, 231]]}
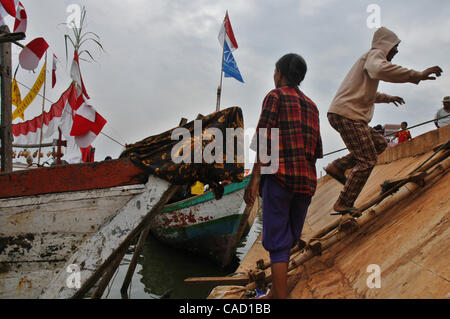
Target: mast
{"points": [[219, 89], [43, 104]]}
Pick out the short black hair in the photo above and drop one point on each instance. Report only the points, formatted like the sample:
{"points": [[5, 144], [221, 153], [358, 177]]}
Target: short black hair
{"points": [[405, 123], [293, 67]]}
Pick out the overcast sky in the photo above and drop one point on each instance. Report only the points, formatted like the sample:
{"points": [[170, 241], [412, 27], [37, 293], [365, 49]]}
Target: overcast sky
{"points": [[162, 59]]}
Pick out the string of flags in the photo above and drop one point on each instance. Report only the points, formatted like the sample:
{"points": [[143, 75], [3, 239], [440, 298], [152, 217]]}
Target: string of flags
{"points": [[73, 114]]}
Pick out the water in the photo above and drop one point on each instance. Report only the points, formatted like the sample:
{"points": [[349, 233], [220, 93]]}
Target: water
{"points": [[161, 270]]}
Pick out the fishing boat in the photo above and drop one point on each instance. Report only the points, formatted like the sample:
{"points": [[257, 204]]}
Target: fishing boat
{"points": [[49, 215], [207, 226], [65, 221]]}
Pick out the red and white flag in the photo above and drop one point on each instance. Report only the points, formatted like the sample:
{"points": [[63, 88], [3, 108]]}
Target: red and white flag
{"points": [[226, 34], [10, 6], [75, 74], [3, 15], [68, 114], [55, 61], [29, 132], [20, 24], [30, 56], [87, 124]]}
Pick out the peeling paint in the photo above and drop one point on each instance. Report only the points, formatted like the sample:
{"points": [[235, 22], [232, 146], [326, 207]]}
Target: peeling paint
{"points": [[20, 241]]}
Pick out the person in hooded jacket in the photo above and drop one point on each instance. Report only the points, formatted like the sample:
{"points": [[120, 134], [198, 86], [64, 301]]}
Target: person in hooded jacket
{"points": [[352, 109]]}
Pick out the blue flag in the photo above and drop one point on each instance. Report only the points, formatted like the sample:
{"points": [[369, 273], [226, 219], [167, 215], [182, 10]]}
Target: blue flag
{"points": [[230, 68]]}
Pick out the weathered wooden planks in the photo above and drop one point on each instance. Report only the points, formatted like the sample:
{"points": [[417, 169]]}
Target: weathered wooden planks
{"points": [[67, 178]]}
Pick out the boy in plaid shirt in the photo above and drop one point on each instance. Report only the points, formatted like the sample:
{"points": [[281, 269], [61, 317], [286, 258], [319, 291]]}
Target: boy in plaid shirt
{"points": [[287, 190]]}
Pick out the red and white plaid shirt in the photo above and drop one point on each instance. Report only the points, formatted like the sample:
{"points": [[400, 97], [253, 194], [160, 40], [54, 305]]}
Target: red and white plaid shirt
{"points": [[300, 145]]}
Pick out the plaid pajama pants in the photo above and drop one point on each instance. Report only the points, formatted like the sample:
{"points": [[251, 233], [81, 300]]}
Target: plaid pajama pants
{"points": [[364, 144]]}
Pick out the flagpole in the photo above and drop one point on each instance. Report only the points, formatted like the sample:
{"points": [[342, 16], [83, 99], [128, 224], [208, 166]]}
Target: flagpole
{"points": [[219, 89], [42, 115]]}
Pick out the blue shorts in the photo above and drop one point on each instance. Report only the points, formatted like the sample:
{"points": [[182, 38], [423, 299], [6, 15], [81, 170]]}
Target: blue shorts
{"points": [[284, 214]]}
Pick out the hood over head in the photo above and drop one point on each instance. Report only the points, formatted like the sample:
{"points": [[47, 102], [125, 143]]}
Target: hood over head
{"points": [[384, 39]]}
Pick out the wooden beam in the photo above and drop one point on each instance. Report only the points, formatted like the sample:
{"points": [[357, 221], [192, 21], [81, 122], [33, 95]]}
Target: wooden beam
{"points": [[216, 281], [6, 110], [12, 37], [54, 143], [84, 176], [143, 237], [123, 247]]}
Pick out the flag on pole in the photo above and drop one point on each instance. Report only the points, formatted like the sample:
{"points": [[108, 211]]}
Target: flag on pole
{"points": [[30, 56], [226, 34], [66, 115], [87, 124], [16, 98], [55, 60], [20, 25], [10, 6], [3, 15], [230, 68], [22, 106]]}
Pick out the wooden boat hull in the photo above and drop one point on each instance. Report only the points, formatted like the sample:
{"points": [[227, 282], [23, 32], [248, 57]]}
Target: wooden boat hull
{"points": [[46, 227], [204, 225], [38, 234], [43, 225]]}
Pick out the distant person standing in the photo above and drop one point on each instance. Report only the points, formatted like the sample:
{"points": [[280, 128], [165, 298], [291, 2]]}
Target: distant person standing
{"points": [[404, 134], [352, 109], [445, 111]]}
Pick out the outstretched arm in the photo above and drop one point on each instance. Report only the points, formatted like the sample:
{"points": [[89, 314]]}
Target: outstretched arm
{"points": [[386, 98], [381, 69]]}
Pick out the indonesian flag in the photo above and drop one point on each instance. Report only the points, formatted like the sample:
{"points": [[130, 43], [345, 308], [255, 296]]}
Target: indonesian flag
{"points": [[29, 132], [30, 56], [3, 14], [55, 60], [75, 74], [63, 114], [21, 19], [226, 34], [87, 124], [10, 6]]}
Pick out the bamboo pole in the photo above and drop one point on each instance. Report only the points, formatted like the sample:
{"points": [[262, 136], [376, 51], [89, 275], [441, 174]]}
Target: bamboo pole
{"points": [[137, 251], [345, 225], [122, 248], [419, 175], [443, 154], [35, 145], [356, 223], [142, 238], [219, 89], [106, 278], [43, 104]]}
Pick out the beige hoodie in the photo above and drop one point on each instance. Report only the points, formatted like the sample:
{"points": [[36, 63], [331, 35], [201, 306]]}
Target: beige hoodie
{"points": [[358, 91]]}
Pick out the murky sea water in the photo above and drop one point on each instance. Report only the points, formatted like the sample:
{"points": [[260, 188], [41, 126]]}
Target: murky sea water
{"points": [[161, 270]]}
